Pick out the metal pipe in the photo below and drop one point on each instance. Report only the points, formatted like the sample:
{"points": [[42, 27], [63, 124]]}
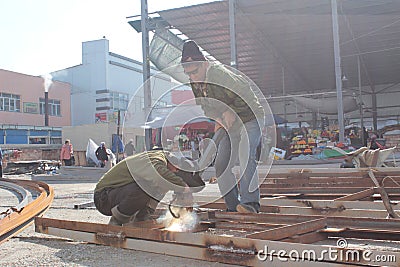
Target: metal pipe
{"points": [[284, 100], [232, 33], [361, 102], [46, 108]]}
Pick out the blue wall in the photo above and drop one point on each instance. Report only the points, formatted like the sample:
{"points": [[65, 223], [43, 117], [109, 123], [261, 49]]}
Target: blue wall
{"points": [[20, 136]]}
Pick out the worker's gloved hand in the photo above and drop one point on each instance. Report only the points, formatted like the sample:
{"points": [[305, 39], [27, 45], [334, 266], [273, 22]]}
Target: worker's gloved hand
{"points": [[193, 180]]}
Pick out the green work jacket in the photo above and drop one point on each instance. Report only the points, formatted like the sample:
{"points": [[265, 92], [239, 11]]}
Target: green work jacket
{"points": [[230, 88], [148, 169]]}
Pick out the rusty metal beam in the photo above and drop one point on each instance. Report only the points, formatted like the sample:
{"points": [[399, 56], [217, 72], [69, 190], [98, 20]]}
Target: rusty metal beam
{"points": [[322, 191], [220, 248], [307, 238], [17, 220], [358, 195], [327, 204], [290, 230], [329, 172]]}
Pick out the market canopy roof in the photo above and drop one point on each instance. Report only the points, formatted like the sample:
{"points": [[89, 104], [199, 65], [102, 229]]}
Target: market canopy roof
{"points": [[296, 36]]}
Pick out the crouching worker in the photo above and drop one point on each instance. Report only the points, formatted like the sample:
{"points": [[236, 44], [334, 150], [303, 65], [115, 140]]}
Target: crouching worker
{"points": [[131, 190]]}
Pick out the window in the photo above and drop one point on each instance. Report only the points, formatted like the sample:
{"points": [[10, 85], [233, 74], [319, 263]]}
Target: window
{"points": [[54, 107], [37, 140], [119, 101], [10, 102], [55, 140]]}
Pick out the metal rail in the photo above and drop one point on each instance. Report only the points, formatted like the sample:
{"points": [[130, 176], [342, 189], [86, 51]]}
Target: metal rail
{"points": [[18, 218], [21, 193]]}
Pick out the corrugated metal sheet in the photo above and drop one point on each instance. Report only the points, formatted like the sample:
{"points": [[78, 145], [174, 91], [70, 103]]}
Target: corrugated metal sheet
{"points": [[297, 35]]}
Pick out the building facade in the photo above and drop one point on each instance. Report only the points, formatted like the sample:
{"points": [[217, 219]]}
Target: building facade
{"points": [[104, 83], [22, 106]]}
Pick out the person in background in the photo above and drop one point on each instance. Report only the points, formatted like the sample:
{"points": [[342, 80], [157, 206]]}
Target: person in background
{"points": [[111, 157], [366, 136], [67, 152], [131, 190], [102, 154], [375, 144], [129, 149]]}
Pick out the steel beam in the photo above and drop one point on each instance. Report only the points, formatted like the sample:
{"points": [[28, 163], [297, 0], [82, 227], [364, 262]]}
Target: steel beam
{"points": [[210, 247], [15, 222]]}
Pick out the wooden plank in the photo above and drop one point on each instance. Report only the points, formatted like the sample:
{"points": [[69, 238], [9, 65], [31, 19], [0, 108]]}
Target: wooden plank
{"points": [[290, 230]]}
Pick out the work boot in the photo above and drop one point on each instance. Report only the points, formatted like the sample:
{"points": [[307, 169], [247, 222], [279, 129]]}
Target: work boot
{"points": [[140, 216], [117, 217], [246, 208], [144, 214]]}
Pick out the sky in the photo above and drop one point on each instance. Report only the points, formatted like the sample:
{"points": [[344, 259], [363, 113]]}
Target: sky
{"points": [[41, 36]]}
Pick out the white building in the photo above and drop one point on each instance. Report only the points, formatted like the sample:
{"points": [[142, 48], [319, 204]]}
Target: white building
{"points": [[104, 83]]}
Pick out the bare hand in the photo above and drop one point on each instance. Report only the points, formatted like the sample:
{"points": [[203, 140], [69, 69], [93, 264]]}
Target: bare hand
{"points": [[229, 118], [218, 124]]}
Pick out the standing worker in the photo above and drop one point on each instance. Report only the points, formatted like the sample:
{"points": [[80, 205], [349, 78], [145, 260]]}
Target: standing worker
{"points": [[131, 190], [67, 151], [229, 99]]}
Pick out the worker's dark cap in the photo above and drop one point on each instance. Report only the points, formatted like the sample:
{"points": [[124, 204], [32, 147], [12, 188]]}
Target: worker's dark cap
{"points": [[188, 171], [191, 52], [181, 162]]}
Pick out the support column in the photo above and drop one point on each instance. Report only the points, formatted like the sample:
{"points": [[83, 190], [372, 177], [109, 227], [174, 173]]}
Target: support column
{"points": [[46, 108], [338, 69], [146, 69], [232, 33], [284, 100], [361, 101]]}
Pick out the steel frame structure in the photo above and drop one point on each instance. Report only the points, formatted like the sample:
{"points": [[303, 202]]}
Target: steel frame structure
{"points": [[245, 239]]}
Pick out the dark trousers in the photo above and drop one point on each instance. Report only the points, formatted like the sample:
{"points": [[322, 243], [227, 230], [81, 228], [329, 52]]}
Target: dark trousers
{"points": [[130, 198]]}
